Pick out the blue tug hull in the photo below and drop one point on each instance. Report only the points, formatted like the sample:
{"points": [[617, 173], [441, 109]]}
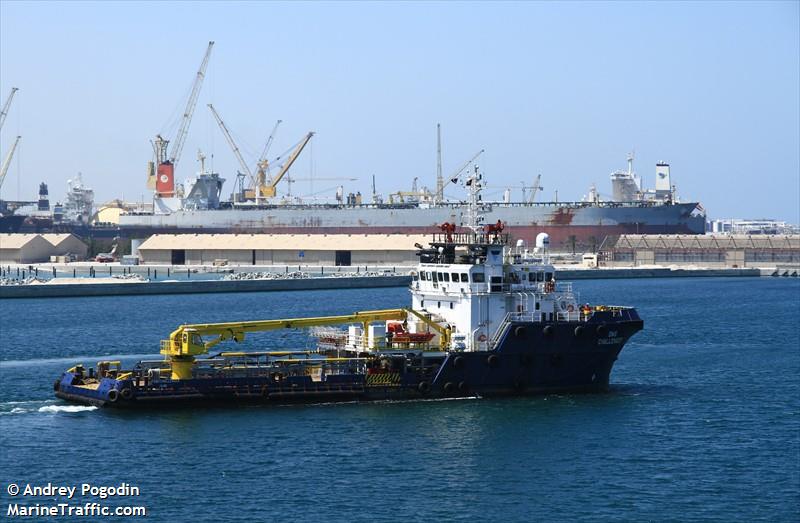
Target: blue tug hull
{"points": [[529, 358]]}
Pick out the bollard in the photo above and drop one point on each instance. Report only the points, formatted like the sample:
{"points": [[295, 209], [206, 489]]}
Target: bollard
{"points": [[109, 270], [36, 271], [188, 273], [155, 274], [17, 272], [148, 272], [23, 274], [167, 272], [323, 270], [54, 272], [358, 269], [73, 273], [287, 269]]}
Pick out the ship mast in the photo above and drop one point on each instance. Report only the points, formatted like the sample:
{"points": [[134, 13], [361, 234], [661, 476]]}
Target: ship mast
{"points": [[475, 208]]}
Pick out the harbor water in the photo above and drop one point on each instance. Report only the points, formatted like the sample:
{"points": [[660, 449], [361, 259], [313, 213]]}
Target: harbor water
{"points": [[702, 421]]}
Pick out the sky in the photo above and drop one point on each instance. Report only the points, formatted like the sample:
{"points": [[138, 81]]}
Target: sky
{"points": [[564, 90]]}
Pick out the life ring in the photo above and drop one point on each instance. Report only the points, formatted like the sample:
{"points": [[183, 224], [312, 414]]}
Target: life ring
{"points": [[126, 394], [113, 395], [482, 337]]}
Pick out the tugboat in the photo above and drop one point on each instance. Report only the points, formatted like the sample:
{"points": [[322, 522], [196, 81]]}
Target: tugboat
{"points": [[487, 319]]}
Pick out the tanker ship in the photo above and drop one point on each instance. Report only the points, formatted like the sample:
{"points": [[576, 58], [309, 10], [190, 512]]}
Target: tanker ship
{"points": [[487, 318]]}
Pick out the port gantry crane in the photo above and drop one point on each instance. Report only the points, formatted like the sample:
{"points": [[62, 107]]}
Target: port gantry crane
{"points": [[186, 342], [165, 182]]}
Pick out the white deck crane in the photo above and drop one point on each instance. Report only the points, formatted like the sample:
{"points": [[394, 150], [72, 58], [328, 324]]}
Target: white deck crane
{"points": [[165, 182], [536, 188], [7, 162], [4, 111], [235, 148]]}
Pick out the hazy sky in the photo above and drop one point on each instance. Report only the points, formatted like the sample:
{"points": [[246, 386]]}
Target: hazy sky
{"points": [[561, 89]]}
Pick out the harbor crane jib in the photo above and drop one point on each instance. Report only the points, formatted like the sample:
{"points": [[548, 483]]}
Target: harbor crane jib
{"points": [[166, 162], [6, 106]]}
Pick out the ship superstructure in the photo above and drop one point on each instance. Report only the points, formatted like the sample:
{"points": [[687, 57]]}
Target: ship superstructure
{"points": [[486, 319]]}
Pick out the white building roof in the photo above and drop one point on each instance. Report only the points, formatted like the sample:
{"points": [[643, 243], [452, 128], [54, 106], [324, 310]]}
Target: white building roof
{"points": [[17, 240], [309, 242]]}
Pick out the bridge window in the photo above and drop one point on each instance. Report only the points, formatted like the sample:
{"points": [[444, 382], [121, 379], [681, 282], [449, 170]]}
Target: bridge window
{"points": [[465, 277], [531, 276], [539, 276], [497, 284], [446, 276], [478, 277], [451, 305], [455, 276], [548, 276], [537, 305]]}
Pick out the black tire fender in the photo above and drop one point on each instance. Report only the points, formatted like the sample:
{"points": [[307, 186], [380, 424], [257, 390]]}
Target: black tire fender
{"points": [[449, 386], [578, 331], [493, 360], [126, 393], [548, 330], [463, 386], [458, 362], [113, 395], [520, 331], [424, 387], [601, 330]]}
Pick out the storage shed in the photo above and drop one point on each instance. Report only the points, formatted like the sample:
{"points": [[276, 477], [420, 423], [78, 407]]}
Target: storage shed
{"points": [[282, 249], [24, 248], [66, 243]]}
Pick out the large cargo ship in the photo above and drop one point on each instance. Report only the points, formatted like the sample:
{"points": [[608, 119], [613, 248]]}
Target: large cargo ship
{"points": [[570, 225], [487, 318]]}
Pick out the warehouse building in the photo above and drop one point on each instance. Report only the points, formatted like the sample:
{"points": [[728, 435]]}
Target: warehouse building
{"points": [[37, 248], [24, 248], [282, 249], [64, 244], [710, 250]]}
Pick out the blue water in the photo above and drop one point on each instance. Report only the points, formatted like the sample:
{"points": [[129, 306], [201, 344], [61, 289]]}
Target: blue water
{"points": [[702, 422]]}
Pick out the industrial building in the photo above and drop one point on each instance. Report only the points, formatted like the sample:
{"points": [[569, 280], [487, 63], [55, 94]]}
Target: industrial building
{"points": [[64, 244], [710, 250], [282, 249], [36, 248]]}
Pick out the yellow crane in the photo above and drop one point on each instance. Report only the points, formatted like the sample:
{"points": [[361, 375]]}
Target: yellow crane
{"points": [[186, 342], [267, 188]]}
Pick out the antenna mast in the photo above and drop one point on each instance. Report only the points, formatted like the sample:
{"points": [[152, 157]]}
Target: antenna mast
{"points": [[439, 178]]}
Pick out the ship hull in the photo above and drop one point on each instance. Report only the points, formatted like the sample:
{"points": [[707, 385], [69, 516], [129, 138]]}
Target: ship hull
{"points": [[529, 359], [569, 225]]}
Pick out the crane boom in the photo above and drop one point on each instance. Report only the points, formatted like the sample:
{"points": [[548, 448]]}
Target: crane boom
{"points": [[269, 142], [455, 175], [183, 131], [268, 190], [233, 145], [536, 188], [6, 106], [7, 162]]}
